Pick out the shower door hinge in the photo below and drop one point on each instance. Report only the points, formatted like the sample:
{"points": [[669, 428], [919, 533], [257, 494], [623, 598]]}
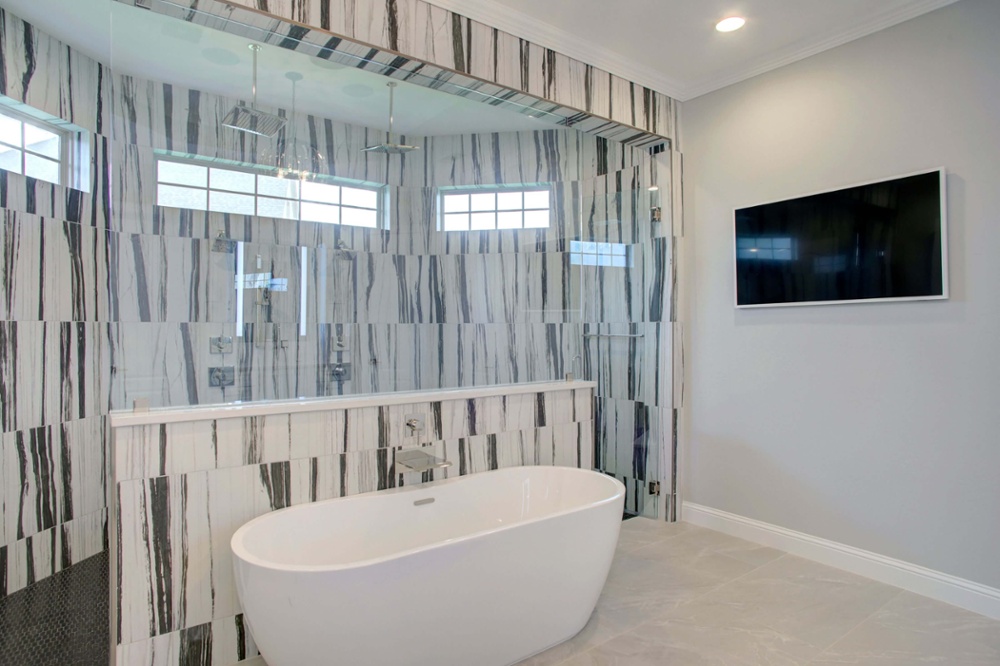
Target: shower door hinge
{"points": [[654, 487]]}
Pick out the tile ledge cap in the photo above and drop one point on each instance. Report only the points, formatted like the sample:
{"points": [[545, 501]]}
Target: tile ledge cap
{"points": [[126, 418]]}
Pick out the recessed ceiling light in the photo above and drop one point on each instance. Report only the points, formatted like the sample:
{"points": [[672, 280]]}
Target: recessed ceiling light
{"points": [[731, 23]]}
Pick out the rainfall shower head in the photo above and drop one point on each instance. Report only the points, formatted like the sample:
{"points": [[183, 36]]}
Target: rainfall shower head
{"points": [[391, 148], [250, 119], [388, 147]]}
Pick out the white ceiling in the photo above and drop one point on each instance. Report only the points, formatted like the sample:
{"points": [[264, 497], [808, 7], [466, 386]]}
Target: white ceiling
{"points": [[672, 45]]}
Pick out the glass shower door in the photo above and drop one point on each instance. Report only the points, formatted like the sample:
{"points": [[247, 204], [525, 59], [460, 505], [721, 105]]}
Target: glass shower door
{"points": [[625, 275]]}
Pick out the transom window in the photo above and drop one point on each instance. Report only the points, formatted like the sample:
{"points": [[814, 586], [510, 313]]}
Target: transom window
{"points": [[485, 210], [183, 184], [28, 147], [589, 253], [764, 248]]}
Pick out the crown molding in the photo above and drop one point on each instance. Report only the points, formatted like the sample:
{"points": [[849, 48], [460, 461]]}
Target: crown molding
{"points": [[496, 15]]}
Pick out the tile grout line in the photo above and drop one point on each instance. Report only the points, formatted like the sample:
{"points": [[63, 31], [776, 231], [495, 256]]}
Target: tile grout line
{"points": [[683, 603], [625, 631], [733, 580], [826, 648], [875, 612], [651, 543]]}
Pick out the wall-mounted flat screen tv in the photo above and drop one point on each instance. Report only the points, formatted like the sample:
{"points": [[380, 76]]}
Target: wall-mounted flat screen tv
{"points": [[881, 241]]}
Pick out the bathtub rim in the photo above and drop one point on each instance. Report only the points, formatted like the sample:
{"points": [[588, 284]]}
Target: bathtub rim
{"points": [[240, 552]]}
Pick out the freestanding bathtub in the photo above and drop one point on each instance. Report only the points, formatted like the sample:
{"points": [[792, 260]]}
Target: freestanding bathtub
{"points": [[485, 569]]}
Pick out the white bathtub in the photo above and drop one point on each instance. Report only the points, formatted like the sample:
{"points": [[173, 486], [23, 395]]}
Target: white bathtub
{"points": [[479, 570]]}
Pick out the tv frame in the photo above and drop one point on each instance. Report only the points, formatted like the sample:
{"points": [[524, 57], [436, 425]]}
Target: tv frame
{"points": [[943, 184]]}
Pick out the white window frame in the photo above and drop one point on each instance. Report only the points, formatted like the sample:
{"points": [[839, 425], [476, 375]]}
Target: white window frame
{"points": [[445, 214], [767, 248], [262, 171], [600, 253], [65, 143]]}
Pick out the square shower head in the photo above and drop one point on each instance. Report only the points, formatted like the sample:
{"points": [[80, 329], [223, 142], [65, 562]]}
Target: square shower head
{"points": [[246, 119]]}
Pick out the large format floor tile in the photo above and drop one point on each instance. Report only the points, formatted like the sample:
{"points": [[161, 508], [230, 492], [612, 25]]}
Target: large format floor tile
{"points": [[800, 599], [912, 629], [682, 595]]}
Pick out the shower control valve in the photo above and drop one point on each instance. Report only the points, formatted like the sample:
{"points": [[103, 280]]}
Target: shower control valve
{"points": [[220, 377], [341, 372]]}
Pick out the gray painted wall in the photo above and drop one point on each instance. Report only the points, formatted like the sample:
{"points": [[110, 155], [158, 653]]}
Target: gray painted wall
{"points": [[873, 425]]}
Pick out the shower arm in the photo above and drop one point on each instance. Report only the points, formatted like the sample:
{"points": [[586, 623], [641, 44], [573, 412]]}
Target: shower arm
{"points": [[253, 102], [392, 90], [292, 119]]}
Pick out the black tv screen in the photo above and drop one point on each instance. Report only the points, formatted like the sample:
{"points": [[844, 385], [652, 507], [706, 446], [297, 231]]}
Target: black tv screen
{"points": [[878, 241]]}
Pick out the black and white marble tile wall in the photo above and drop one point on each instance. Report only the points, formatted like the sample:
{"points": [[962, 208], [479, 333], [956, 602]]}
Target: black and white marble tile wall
{"points": [[169, 363], [54, 314], [183, 488], [52, 447], [408, 357], [44, 73], [456, 46], [628, 330], [107, 297], [640, 291], [34, 558], [633, 404], [616, 206], [629, 445]]}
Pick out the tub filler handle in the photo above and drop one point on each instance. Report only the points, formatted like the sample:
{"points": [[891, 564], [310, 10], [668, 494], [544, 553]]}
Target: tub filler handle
{"points": [[418, 460]]}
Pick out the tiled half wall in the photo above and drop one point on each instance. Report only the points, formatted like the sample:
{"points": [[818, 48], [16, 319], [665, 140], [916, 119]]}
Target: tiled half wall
{"points": [[182, 488]]}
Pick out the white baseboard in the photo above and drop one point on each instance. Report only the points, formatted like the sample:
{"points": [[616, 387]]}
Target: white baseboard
{"points": [[921, 580]]}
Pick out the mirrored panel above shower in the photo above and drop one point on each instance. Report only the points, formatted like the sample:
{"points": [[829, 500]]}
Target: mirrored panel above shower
{"points": [[285, 224]]}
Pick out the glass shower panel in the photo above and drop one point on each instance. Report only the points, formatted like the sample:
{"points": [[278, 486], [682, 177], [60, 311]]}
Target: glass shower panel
{"points": [[251, 286], [627, 347]]}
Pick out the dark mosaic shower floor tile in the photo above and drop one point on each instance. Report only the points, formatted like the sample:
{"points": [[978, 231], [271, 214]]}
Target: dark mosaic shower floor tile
{"points": [[61, 620]]}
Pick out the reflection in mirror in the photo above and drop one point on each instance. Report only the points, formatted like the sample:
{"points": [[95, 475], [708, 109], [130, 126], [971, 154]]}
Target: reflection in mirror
{"points": [[443, 267]]}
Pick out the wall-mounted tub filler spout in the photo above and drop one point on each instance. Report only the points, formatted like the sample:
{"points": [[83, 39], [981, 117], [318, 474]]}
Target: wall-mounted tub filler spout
{"points": [[571, 375], [418, 460]]}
